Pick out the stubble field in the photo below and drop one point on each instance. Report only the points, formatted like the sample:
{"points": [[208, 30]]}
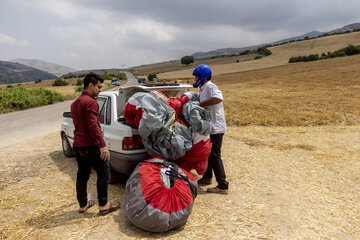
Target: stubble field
{"points": [[291, 156]]}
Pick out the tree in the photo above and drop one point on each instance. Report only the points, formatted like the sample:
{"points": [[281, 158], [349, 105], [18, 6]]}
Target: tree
{"points": [[187, 60], [151, 77], [60, 82], [264, 51], [79, 82]]}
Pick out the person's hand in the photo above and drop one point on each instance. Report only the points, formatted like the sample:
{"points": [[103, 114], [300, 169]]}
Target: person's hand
{"points": [[104, 153]]}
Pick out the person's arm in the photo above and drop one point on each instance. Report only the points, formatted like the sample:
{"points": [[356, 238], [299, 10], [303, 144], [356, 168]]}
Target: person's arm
{"points": [[210, 102]]}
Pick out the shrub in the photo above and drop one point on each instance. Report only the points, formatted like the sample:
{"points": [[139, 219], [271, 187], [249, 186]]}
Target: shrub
{"points": [[264, 51], [121, 76], [348, 51], [60, 82], [257, 57], [38, 81], [245, 52], [80, 82], [186, 60], [20, 97], [151, 76], [312, 57], [351, 50], [106, 76], [69, 76], [79, 89]]}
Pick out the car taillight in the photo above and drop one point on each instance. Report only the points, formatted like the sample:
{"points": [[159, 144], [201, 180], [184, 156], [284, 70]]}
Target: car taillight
{"points": [[132, 143]]}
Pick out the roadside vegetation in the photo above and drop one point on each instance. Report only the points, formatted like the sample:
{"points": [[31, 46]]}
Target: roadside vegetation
{"points": [[20, 98]]}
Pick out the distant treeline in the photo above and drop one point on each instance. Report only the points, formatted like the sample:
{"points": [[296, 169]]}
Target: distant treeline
{"points": [[261, 51], [348, 51], [19, 97]]}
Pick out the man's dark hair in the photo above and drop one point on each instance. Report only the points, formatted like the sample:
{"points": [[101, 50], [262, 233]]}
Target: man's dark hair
{"points": [[92, 78]]}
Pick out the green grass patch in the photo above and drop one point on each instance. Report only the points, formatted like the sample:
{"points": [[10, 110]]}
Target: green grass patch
{"points": [[20, 98]]}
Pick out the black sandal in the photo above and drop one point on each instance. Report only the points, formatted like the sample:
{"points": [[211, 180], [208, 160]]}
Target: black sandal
{"points": [[90, 203], [112, 207]]}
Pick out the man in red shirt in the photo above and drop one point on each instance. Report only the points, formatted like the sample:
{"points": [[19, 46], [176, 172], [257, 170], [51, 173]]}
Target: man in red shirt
{"points": [[90, 148]]}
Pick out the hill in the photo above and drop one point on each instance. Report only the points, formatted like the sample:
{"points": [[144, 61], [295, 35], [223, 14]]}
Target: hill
{"points": [[82, 73], [279, 57], [313, 34], [53, 68], [347, 28], [17, 73]]}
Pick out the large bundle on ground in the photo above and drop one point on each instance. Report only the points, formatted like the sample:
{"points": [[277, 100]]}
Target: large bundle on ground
{"points": [[159, 195]]}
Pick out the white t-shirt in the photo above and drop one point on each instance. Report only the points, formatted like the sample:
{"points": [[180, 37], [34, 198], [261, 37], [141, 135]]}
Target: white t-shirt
{"points": [[217, 115]]}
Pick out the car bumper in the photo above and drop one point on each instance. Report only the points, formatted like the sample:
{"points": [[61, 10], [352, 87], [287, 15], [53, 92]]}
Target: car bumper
{"points": [[126, 163]]}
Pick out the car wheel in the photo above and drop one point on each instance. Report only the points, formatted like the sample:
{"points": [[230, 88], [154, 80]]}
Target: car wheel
{"points": [[67, 149]]}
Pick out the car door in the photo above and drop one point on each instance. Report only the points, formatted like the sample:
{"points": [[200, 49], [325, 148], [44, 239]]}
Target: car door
{"points": [[105, 116]]}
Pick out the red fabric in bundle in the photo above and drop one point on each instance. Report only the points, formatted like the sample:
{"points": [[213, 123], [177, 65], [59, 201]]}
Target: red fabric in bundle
{"points": [[160, 197], [197, 157], [133, 114], [177, 105]]}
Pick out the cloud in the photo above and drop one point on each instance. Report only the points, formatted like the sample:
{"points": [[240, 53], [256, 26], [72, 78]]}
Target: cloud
{"points": [[70, 55], [103, 41], [91, 34], [11, 41], [254, 15], [64, 9]]}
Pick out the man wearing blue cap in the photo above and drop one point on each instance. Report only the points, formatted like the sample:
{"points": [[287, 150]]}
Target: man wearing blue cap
{"points": [[211, 98]]}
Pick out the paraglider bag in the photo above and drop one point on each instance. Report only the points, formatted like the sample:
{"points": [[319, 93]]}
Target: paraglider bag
{"points": [[159, 195]]}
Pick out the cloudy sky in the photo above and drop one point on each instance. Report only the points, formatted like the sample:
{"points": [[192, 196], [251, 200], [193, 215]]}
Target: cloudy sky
{"points": [[89, 34]]}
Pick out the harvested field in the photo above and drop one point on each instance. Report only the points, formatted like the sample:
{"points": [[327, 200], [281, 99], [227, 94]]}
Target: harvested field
{"points": [[291, 156], [305, 94], [285, 183]]}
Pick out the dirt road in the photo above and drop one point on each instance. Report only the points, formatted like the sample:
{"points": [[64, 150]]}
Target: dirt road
{"points": [[285, 183]]}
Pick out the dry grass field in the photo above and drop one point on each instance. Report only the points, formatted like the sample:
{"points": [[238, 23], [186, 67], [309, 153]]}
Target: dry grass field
{"points": [[176, 64], [291, 155], [324, 92], [285, 183]]}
